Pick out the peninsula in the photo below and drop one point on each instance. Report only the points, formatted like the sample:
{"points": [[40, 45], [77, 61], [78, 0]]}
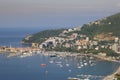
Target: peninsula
{"points": [[100, 37]]}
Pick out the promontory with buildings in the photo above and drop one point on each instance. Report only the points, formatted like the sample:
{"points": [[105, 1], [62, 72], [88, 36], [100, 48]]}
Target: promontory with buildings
{"points": [[100, 38]]}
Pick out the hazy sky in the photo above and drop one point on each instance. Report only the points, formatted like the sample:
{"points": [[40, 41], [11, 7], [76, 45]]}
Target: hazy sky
{"points": [[54, 13]]}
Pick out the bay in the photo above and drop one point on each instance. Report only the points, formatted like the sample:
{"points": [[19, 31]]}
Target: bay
{"points": [[29, 68]]}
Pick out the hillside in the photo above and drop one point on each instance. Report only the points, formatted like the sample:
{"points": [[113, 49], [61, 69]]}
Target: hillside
{"points": [[109, 25], [106, 29], [41, 36]]}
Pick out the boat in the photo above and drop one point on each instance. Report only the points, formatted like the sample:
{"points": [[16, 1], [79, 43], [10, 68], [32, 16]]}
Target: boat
{"points": [[70, 78], [85, 64], [59, 62], [51, 61], [43, 65], [53, 55], [61, 65], [69, 70], [79, 67], [67, 65]]}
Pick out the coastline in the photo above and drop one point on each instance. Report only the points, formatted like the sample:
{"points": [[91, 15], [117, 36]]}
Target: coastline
{"points": [[65, 54], [2, 52], [112, 76], [77, 54], [14, 51]]}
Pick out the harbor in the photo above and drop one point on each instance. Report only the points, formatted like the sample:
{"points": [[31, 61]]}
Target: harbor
{"points": [[29, 51], [65, 68], [80, 61], [28, 63]]}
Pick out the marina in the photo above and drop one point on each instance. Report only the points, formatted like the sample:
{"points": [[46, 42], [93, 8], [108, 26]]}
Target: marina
{"points": [[26, 63], [72, 65], [65, 68]]}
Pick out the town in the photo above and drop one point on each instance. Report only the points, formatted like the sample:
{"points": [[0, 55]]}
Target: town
{"points": [[70, 40]]}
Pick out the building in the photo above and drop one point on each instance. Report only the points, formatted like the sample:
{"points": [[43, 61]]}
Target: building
{"points": [[102, 54], [70, 30], [77, 29], [3, 48], [35, 45], [52, 42], [116, 47]]}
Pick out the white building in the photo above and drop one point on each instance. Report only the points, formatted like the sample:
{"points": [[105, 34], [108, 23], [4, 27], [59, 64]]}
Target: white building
{"points": [[116, 39], [116, 48], [70, 30], [52, 42], [77, 29]]}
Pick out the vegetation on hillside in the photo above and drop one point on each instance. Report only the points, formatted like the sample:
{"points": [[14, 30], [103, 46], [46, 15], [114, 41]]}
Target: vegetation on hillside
{"points": [[106, 28], [41, 36], [110, 24], [117, 75]]}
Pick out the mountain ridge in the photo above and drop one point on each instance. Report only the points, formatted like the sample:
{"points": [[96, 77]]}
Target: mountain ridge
{"points": [[105, 28], [110, 24]]}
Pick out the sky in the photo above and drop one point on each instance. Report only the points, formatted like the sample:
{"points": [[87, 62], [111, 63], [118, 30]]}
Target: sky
{"points": [[54, 13]]}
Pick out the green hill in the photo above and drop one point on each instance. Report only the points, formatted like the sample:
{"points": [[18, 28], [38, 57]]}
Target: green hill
{"points": [[107, 25], [41, 36], [107, 28]]}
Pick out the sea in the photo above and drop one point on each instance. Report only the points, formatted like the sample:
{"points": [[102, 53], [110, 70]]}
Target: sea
{"points": [[55, 68]]}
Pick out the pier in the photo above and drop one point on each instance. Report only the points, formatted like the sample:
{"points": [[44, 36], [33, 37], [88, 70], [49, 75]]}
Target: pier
{"points": [[85, 77], [90, 76], [20, 49], [22, 52]]}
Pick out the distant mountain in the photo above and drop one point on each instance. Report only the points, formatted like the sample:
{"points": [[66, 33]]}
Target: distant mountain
{"points": [[108, 27]]}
